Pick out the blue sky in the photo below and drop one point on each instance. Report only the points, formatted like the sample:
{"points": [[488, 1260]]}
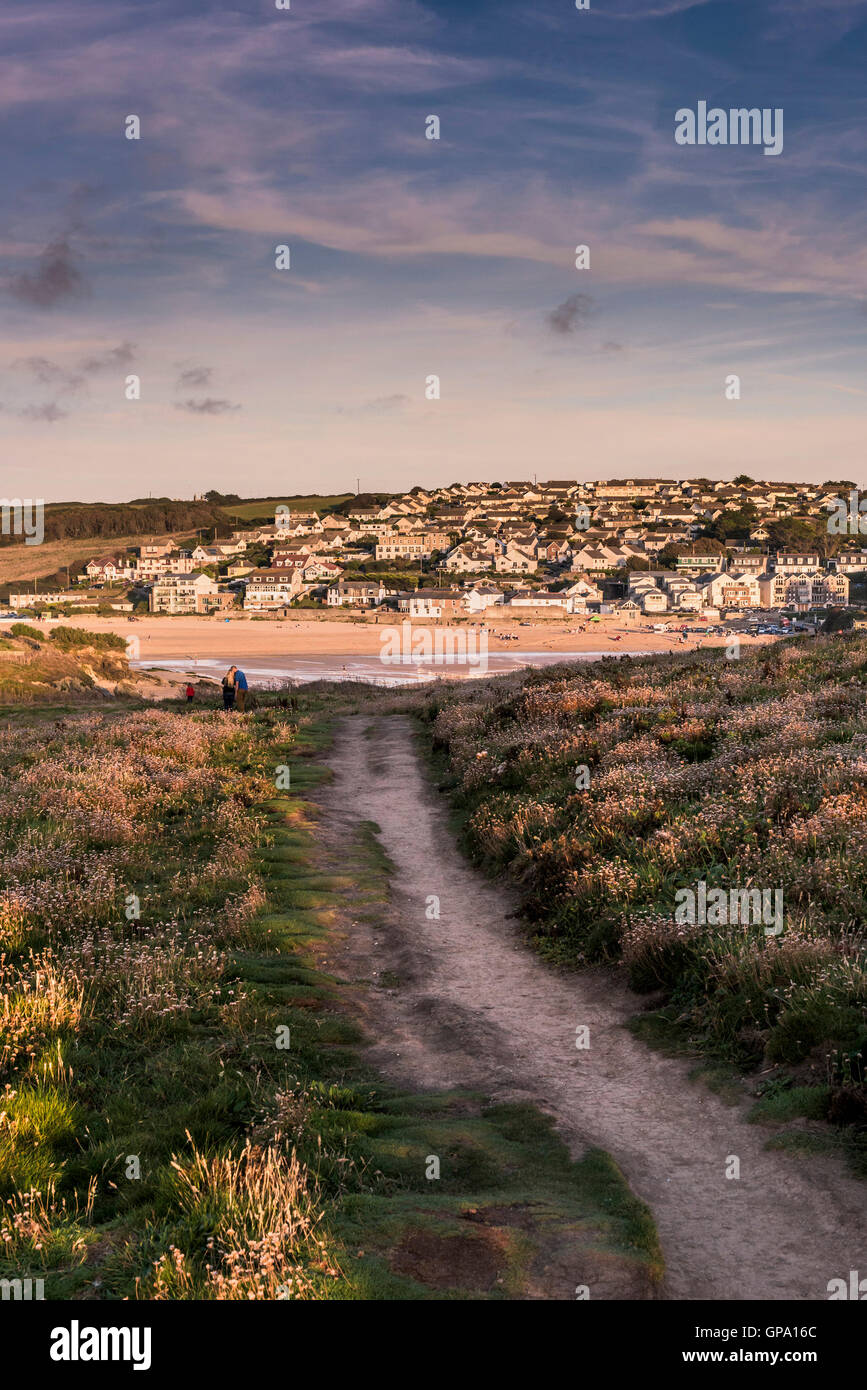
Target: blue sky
{"points": [[412, 257]]}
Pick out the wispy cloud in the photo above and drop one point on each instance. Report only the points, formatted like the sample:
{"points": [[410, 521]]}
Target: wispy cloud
{"points": [[380, 405], [57, 278], [209, 405], [192, 377], [49, 413], [121, 356]]}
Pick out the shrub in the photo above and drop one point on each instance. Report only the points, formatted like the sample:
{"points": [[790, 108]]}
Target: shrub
{"points": [[69, 638], [25, 630]]}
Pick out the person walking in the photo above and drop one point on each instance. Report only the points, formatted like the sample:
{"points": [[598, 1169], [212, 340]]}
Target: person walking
{"points": [[240, 689], [228, 684]]}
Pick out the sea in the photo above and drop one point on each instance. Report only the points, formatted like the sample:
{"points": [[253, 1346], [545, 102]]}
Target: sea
{"points": [[270, 672]]}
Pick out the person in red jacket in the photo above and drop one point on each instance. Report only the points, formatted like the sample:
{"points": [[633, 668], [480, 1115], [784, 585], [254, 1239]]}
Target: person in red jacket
{"points": [[191, 691]]}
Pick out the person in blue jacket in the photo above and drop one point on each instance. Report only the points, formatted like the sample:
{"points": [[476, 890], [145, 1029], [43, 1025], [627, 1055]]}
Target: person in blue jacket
{"points": [[241, 688]]}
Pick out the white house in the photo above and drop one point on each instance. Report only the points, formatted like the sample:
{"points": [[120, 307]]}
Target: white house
{"points": [[269, 589], [482, 597]]}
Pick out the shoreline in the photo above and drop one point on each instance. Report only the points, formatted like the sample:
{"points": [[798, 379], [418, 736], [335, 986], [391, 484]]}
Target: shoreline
{"points": [[338, 648]]}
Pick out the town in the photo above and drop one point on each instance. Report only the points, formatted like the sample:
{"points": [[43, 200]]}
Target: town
{"points": [[634, 549]]}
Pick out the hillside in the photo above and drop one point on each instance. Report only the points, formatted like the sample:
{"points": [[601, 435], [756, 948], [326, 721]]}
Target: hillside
{"points": [[71, 665], [25, 562]]}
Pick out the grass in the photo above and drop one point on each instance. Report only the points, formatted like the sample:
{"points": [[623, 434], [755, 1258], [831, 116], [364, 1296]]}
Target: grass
{"points": [[188, 1113], [264, 511]]}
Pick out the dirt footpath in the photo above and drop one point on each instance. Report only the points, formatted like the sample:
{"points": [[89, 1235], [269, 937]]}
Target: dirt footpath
{"points": [[473, 1006]]}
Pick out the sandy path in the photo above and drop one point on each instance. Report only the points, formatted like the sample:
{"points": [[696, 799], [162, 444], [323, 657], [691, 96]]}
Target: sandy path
{"points": [[475, 1007]]}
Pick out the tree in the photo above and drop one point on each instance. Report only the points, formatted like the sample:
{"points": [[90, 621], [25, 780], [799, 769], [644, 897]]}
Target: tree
{"points": [[838, 622]]}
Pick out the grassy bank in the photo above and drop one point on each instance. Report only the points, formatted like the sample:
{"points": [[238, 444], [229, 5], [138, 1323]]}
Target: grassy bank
{"points": [[187, 1113], [607, 790]]}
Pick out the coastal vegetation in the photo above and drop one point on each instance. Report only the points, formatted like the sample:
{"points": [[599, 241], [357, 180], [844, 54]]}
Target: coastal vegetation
{"points": [[605, 791]]}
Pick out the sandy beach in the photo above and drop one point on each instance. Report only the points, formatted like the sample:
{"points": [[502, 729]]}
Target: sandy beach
{"points": [[318, 647]]}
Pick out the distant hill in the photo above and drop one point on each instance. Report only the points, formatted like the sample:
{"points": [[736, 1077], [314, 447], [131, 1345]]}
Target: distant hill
{"points": [[76, 531], [108, 520]]}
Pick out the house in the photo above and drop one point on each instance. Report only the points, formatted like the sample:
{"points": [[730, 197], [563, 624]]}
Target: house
{"points": [[57, 597], [217, 553], [754, 564], [584, 591], [554, 552], [732, 591], [437, 603], [146, 567], [107, 569], [316, 567], [468, 559], [188, 593], [652, 600], [594, 558], [785, 562], [483, 596], [538, 598], [692, 562], [270, 589], [356, 593], [850, 562], [514, 560], [412, 546], [295, 523], [289, 559]]}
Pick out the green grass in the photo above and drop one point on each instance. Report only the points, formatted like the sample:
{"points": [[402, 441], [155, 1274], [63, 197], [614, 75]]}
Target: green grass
{"points": [[264, 510]]}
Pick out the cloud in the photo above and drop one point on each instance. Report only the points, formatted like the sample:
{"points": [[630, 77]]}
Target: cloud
{"points": [[48, 373], [120, 356], [195, 376], [629, 9], [49, 412], [381, 405], [57, 278], [574, 313], [208, 406]]}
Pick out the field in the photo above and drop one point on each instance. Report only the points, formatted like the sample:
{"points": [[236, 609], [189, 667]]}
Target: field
{"points": [[264, 510], [610, 794]]}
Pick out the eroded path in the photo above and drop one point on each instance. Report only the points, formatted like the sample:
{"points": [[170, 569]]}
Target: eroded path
{"points": [[473, 1006]]}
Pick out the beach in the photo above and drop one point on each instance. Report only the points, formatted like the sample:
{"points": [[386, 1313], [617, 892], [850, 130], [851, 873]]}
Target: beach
{"points": [[331, 647]]}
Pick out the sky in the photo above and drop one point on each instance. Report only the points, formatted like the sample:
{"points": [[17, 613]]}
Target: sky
{"points": [[412, 258]]}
